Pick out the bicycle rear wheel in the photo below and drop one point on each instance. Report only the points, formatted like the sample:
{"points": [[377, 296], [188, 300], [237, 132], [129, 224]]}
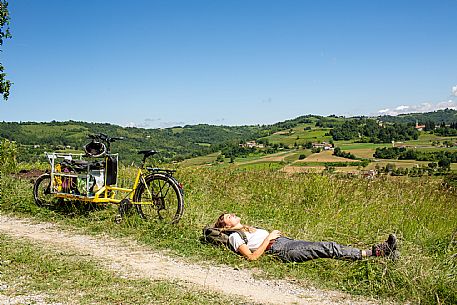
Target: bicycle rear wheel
{"points": [[42, 191], [159, 196]]}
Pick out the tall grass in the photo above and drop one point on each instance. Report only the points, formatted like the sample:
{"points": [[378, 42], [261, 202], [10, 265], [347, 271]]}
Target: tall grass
{"points": [[355, 211]]}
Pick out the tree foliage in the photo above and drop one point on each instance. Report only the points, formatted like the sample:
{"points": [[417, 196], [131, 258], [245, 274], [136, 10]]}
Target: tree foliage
{"points": [[5, 84], [177, 143], [445, 115], [444, 158], [447, 131], [368, 130]]}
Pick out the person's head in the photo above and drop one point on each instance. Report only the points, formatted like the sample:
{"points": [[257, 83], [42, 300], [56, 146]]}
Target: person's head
{"points": [[228, 221]]}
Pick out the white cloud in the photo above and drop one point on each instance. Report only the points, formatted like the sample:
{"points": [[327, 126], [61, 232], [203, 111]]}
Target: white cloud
{"points": [[401, 108], [423, 107], [154, 123]]}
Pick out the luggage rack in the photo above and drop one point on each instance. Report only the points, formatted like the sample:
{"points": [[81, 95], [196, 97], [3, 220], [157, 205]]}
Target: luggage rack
{"points": [[76, 175]]}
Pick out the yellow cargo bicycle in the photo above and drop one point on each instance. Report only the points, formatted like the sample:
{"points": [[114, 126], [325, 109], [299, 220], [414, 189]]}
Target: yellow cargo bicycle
{"points": [[92, 177]]}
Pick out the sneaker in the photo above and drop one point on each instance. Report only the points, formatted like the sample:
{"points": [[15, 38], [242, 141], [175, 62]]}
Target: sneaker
{"points": [[386, 248]]}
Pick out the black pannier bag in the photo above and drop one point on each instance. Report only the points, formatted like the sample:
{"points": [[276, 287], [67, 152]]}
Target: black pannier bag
{"points": [[111, 170]]}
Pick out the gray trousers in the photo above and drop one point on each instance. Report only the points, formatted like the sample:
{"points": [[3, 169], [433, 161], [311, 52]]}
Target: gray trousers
{"points": [[291, 250]]}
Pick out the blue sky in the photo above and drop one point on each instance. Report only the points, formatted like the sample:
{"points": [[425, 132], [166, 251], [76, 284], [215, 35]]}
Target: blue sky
{"points": [[166, 63]]}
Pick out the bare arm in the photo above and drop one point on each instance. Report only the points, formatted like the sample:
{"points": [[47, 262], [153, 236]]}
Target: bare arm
{"points": [[252, 256]]}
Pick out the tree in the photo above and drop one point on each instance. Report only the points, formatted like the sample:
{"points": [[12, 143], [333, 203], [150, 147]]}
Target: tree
{"points": [[308, 145], [5, 84], [445, 164], [220, 158], [429, 125]]}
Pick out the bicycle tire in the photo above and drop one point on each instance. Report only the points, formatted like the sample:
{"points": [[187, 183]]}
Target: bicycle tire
{"points": [[164, 196], [42, 191]]}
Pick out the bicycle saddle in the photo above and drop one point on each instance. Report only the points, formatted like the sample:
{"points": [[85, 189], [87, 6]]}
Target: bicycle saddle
{"points": [[147, 153]]}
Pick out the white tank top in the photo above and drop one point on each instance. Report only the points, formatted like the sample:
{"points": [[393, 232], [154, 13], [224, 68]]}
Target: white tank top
{"points": [[255, 239]]}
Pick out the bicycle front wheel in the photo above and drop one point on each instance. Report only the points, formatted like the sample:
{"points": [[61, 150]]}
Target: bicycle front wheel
{"points": [[42, 191], [159, 196]]}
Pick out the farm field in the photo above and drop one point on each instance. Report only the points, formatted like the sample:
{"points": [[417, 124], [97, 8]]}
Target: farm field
{"points": [[366, 153], [276, 157], [202, 160], [300, 136], [397, 163], [324, 156]]}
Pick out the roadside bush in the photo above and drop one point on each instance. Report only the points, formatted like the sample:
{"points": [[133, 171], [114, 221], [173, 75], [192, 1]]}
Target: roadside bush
{"points": [[8, 163], [8, 156]]}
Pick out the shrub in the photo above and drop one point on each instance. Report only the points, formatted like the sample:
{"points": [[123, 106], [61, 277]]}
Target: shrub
{"points": [[8, 155]]}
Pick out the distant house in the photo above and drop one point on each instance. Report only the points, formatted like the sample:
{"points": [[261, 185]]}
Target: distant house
{"points": [[252, 144], [323, 145], [419, 127], [369, 173]]}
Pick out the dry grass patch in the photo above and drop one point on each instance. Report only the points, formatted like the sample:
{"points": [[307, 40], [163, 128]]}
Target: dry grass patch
{"points": [[325, 156], [366, 153]]}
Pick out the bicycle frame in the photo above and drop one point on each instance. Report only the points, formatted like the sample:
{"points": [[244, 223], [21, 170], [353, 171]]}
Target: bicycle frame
{"points": [[93, 177], [106, 194], [103, 194]]}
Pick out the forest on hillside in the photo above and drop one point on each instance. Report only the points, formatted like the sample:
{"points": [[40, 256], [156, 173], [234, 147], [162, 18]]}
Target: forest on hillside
{"points": [[176, 143], [183, 142]]}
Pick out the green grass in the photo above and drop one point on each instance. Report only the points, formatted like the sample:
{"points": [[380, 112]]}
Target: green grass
{"points": [[345, 145], [200, 160], [261, 166], [70, 278], [308, 206], [426, 137], [72, 130], [300, 136], [435, 149], [295, 156], [334, 164], [251, 157]]}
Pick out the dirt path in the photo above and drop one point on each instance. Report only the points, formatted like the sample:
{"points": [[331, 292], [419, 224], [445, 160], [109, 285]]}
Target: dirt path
{"points": [[131, 260]]}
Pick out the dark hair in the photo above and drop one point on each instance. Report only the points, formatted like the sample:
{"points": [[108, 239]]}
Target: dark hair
{"points": [[220, 222]]}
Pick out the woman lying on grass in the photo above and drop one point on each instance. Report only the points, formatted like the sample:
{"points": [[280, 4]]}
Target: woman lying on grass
{"points": [[260, 241]]}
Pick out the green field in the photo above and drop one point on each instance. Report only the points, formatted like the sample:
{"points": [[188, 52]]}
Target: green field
{"points": [[202, 160], [353, 211], [261, 166], [300, 136]]}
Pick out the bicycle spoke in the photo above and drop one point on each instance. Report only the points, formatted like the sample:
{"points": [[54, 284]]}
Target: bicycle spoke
{"points": [[161, 198], [42, 191]]}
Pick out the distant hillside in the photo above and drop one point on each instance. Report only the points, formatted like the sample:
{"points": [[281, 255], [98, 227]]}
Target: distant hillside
{"points": [[173, 143], [447, 116], [179, 143]]}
